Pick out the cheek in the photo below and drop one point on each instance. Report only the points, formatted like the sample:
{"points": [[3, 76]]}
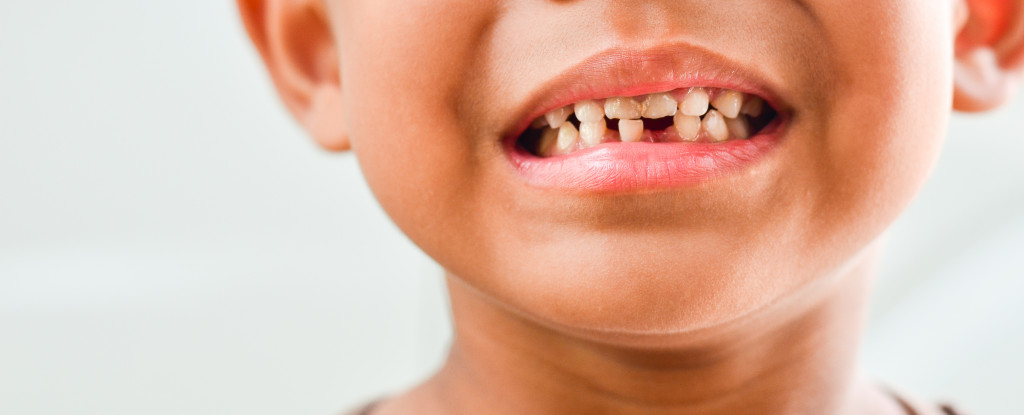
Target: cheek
{"points": [[889, 114], [404, 73]]}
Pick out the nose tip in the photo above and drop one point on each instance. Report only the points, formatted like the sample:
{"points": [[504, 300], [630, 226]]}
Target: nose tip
{"points": [[634, 21]]}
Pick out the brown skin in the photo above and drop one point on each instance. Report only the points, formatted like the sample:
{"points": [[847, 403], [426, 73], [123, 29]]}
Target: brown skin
{"points": [[743, 295]]}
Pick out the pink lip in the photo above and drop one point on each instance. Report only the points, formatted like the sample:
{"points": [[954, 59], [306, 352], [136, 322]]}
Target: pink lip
{"points": [[627, 167]]}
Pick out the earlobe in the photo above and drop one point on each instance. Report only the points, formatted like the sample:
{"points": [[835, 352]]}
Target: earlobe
{"points": [[989, 53], [326, 122], [295, 42]]}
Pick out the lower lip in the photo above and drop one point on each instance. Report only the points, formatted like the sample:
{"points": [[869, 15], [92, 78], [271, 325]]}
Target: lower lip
{"points": [[631, 167]]}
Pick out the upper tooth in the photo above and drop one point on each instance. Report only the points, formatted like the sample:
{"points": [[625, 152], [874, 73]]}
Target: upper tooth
{"points": [[753, 106], [556, 117], [631, 130], [592, 133], [659, 106], [547, 142], [588, 111], [729, 103], [688, 126], [568, 136], [714, 125], [718, 123], [739, 127], [695, 103], [623, 108]]}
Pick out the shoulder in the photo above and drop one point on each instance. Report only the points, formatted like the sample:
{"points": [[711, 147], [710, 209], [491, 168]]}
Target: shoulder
{"points": [[915, 406], [362, 410], [910, 403]]}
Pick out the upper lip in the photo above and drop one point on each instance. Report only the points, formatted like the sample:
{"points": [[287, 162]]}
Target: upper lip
{"points": [[623, 71]]}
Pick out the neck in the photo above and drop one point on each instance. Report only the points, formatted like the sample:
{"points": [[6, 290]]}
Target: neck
{"points": [[795, 357]]}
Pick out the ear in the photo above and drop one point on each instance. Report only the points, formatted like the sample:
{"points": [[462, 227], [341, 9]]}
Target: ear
{"points": [[989, 53], [295, 41]]}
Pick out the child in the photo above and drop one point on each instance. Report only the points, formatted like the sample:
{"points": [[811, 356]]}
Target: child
{"points": [[645, 207]]}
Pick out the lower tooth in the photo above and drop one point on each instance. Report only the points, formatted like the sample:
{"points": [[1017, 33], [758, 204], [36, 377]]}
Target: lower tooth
{"points": [[687, 126], [547, 142], [631, 130], [592, 133], [739, 127], [714, 125], [568, 137]]}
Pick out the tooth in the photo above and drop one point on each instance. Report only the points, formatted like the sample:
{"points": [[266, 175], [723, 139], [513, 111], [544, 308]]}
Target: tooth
{"points": [[696, 102], [659, 105], [714, 125], [588, 111], [547, 141], [539, 123], [753, 106], [623, 108], [556, 117], [631, 130], [739, 127], [592, 133], [688, 126], [729, 103], [568, 137]]}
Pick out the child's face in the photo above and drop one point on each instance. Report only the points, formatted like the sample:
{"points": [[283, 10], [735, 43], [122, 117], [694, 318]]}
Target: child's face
{"points": [[437, 92]]}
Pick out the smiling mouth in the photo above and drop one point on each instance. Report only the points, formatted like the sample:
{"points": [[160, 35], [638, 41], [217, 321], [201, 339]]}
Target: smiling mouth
{"points": [[626, 120], [689, 115]]}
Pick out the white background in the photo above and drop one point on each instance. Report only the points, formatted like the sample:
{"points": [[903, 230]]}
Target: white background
{"points": [[171, 243]]}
